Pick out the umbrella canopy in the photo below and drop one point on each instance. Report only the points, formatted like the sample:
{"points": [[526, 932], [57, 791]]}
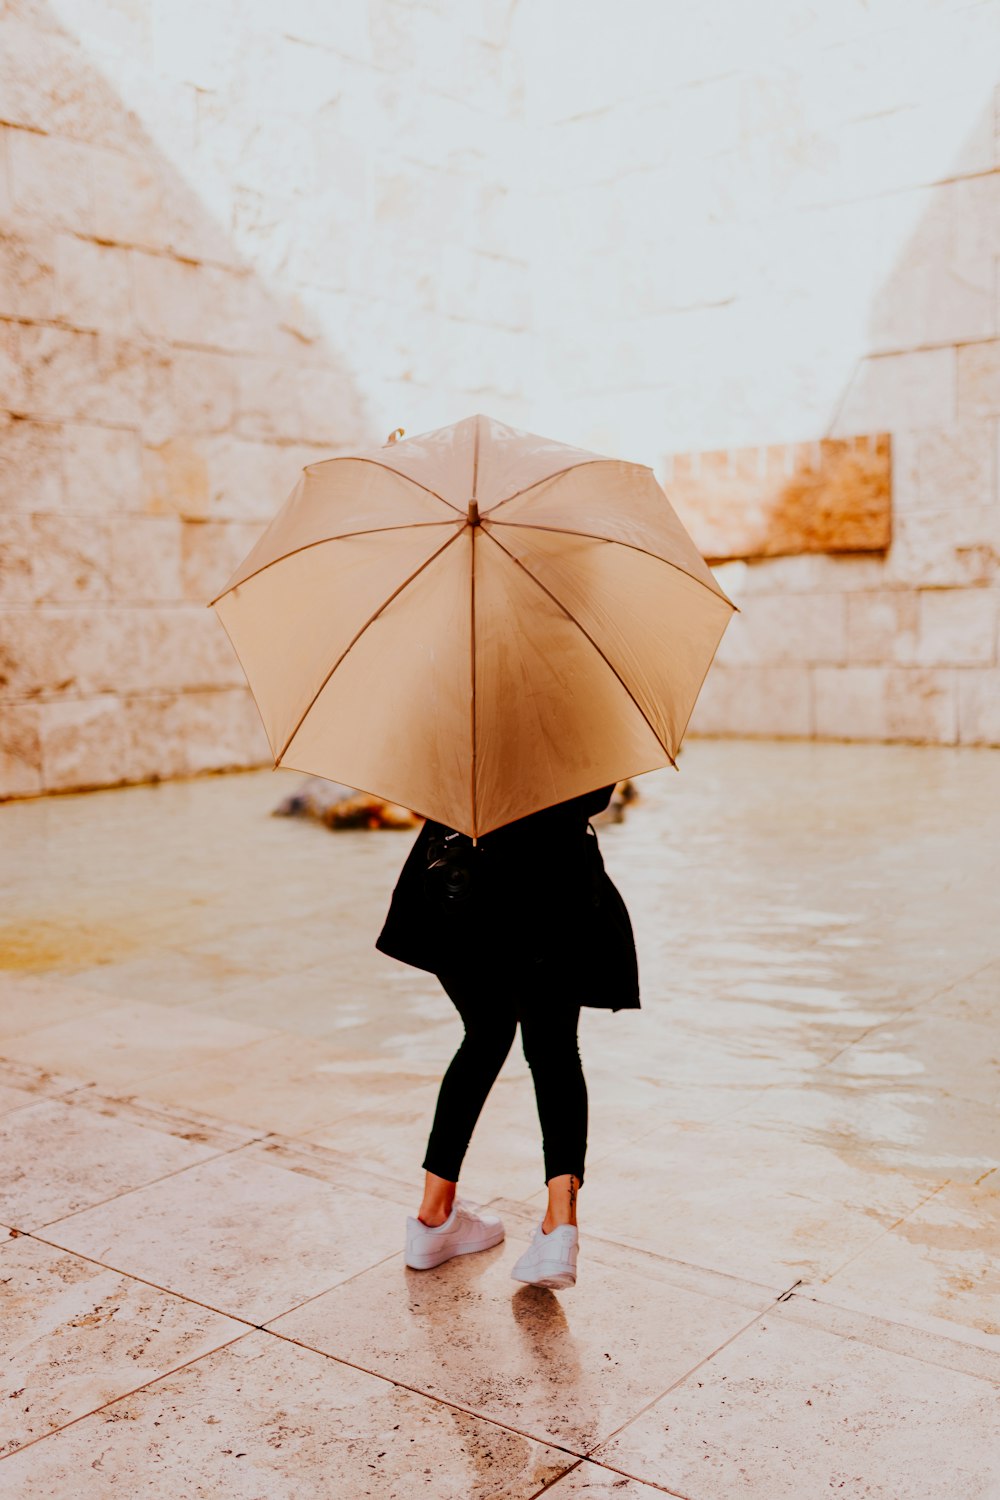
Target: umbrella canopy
{"points": [[475, 623]]}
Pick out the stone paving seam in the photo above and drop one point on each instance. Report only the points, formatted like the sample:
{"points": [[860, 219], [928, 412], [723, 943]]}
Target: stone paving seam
{"points": [[887, 1230], [699, 1364], [865, 1325], [124, 1395], [646, 1484], [101, 1202], [419, 1391], [120, 1271], [687, 1275]]}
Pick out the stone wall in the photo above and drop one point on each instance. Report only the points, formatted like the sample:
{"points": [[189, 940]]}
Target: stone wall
{"points": [[768, 225], [231, 244]]}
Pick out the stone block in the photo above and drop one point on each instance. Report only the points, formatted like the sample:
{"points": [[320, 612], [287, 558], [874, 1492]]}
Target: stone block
{"points": [[978, 379], [27, 273], [176, 478], [145, 558], [210, 554], [17, 585], [885, 703], [941, 289], [908, 391], [882, 626], [50, 180], [770, 701], [955, 466], [946, 548], [20, 751], [60, 372], [203, 390], [101, 469], [184, 647], [83, 742], [251, 481], [76, 652], [922, 705], [849, 702], [182, 734], [958, 627], [792, 628], [70, 558], [140, 200], [22, 655], [93, 285], [979, 705], [829, 496], [49, 87], [13, 386], [213, 306]]}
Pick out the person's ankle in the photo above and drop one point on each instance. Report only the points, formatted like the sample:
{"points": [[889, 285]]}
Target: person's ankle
{"points": [[434, 1218], [548, 1224]]}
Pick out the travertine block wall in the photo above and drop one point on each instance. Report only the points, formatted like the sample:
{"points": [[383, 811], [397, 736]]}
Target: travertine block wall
{"points": [[775, 224], [234, 239]]}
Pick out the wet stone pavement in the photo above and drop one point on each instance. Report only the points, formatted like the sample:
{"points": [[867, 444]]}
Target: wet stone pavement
{"points": [[215, 1096]]}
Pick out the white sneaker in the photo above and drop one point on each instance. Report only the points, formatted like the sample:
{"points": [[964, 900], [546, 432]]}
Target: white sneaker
{"points": [[465, 1229], [550, 1259]]}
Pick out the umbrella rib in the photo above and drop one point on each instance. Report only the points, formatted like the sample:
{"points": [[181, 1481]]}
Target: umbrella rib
{"points": [[595, 536], [354, 458], [342, 537], [580, 464], [586, 633], [354, 640]]}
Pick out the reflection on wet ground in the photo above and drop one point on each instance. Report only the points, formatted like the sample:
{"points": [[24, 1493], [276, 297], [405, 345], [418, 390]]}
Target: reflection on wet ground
{"points": [[216, 1096]]}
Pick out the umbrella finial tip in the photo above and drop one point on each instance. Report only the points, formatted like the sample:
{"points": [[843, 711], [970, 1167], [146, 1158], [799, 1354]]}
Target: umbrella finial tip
{"points": [[397, 432]]}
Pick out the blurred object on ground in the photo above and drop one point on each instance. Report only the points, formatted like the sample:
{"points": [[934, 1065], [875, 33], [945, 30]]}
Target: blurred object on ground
{"points": [[624, 793], [342, 807]]}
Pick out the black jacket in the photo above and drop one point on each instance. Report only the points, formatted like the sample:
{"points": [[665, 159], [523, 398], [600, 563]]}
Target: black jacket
{"points": [[538, 895]]}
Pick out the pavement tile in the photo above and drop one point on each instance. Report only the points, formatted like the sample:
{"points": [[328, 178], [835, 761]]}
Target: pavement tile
{"points": [[266, 1420], [937, 1051], [730, 1196], [918, 1130], [241, 1234], [76, 1336], [30, 1001], [566, 1367], [62, 1156], [791, 1411], [126, 1043], [287, 1083], [938, 1269]]}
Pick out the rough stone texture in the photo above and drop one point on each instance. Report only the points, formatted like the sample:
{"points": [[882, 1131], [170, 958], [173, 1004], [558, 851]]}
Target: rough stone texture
{"points": [[221, 260], [828, 496]]}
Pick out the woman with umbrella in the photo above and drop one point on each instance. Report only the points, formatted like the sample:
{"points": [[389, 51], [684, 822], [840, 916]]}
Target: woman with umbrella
{"points": [[490, 628], [524, 927]]}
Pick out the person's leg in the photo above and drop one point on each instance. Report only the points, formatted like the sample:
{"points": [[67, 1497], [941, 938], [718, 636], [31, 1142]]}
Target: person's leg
{"points": [[549, 1036], [490, 1023]]}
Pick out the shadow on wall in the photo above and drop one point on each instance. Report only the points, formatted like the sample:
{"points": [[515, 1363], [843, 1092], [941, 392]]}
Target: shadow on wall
{"points": [[161, 400], [900, 646]]}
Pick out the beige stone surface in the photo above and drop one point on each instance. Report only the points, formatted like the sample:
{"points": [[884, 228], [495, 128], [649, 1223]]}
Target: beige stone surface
{"points": [[794, 1136], [785, 1411], [187, 1233], [264, 1417], [570, 1388], [77, 1336], [67, 1153]]}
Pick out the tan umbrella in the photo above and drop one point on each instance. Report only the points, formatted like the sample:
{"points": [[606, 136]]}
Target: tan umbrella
{"points": [[475, 623]]}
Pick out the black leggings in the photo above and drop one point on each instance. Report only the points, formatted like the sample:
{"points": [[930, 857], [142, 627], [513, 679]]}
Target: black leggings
{"points": [[491, 1009]]}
